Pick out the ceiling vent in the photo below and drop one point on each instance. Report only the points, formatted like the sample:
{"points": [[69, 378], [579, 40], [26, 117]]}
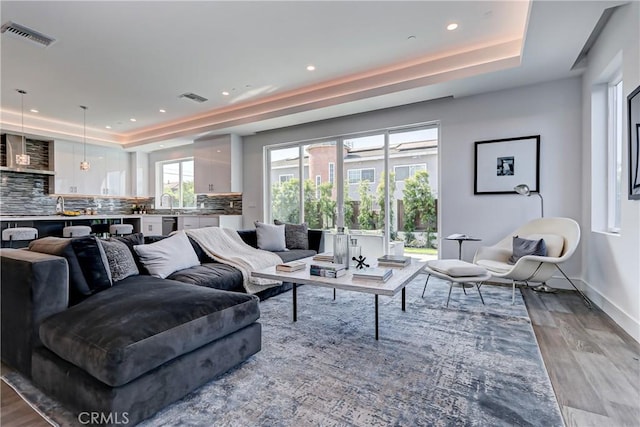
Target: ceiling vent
{"points": [[193, 97], [21, 32]]}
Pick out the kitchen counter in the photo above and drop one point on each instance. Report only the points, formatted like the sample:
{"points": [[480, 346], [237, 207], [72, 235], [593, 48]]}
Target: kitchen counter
{"points": [[67, 218]]}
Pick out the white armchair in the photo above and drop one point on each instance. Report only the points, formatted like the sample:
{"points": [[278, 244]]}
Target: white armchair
{"points": [[561, 236]]}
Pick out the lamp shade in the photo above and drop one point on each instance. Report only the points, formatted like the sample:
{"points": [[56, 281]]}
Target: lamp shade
{"points": [[522, 189]]}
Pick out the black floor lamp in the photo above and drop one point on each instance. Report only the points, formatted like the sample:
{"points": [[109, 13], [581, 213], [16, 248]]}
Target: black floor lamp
{"points": [[524, 190]]}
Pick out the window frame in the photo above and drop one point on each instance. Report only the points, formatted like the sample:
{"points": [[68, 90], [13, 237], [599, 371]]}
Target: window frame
{"points": [[359, 170], [412, 165], [160, 182], [288, 176], [615, 105]]}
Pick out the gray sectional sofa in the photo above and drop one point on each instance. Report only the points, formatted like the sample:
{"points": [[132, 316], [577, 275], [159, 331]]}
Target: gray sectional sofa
{"points": [[134, 347]]}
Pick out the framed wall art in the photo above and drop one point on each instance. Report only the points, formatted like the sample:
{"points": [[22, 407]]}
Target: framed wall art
{"points": [[501, 164], [633, 109]]}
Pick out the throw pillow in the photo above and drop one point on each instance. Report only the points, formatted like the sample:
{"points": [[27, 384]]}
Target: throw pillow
{"points": [[131, 240], [168, 255], [296, 236], [270, 237], [121, 262], [78, 286], [523, 247], [94, 263]]}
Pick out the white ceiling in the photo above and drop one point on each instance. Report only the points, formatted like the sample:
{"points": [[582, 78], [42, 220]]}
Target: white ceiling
{"points": [[130, 59]]}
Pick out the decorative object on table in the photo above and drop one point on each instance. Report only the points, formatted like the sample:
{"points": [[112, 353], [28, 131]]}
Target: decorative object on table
{"points": [[291, 266], [354, 251], [84, 165], [23, 159], [394, 261], [341, 248], [501, 164], [633, 109], [380, 274], [461, 238], [360, 262], [524, 190]]}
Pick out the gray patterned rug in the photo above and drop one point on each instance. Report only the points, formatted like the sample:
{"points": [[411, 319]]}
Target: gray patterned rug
{"points": [[466, 365]]}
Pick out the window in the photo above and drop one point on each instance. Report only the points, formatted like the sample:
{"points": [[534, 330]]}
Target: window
{"points": [[614, 155], [406, 171], [355, 176], [332, 172], [175, 178], [285, 177], [318, 182]]}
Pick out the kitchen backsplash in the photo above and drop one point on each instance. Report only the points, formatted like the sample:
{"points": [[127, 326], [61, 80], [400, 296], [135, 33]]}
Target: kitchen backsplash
{"points": [[28, 194]]}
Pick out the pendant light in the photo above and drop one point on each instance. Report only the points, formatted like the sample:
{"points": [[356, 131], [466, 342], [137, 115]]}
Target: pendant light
{"points": [[84, 165], [23, 159]]}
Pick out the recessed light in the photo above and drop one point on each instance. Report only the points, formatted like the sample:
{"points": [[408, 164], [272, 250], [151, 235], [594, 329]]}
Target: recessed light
{"points": [[163, 110], [225, 93], [311, 67], [452, 26], [107, 127], [161, 145], [132, 119], [33, 110], [411, 38]]}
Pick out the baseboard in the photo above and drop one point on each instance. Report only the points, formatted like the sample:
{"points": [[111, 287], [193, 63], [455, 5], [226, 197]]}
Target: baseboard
{"points": [[618, 315]]}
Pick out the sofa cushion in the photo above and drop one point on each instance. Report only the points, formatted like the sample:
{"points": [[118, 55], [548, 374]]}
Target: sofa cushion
{"points": [[168, 255], [212, 275], [93, 262], [296, 235], [120, 259], [142, 323], [132, 240], [495, 266], [270, 237], [60, 246]]}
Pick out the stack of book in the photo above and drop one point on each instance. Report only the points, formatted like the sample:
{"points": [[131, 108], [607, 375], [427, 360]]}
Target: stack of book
{"points": [[326, 269], [380, 274], [324, 257], [394, 261], [288, 267]]}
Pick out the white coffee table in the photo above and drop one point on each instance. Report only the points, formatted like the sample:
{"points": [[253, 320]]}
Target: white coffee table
{"points": [[397, 282]]}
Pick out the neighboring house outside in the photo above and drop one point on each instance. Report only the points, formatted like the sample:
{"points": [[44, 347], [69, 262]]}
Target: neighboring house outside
{"points": [[405, 159]]}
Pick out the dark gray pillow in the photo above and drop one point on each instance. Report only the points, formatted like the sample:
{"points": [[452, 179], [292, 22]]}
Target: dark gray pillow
{"points": [[296, 235], [522, 247], [78, 287], [93, 262], [121, 261]]}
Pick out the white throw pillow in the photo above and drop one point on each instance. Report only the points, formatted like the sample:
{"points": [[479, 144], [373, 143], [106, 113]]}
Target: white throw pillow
{"points": [[168, 255], [270, 237]]}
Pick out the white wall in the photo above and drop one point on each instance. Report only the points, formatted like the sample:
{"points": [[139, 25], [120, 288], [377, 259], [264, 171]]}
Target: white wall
{"points": [[552, 110], [612, 270]]}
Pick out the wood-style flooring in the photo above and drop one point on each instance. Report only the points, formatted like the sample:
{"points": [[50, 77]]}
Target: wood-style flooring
{"points": [[594, 366]]}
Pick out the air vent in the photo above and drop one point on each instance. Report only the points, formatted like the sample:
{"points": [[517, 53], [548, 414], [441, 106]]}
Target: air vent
{"points": [[20, 32], [193, 97]]}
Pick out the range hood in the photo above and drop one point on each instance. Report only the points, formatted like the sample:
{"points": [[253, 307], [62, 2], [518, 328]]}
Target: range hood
{"points": [[13, 147]]}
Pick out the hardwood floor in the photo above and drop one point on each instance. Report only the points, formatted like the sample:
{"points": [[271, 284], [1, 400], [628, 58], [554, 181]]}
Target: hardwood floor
{"points": [[594, 366]]}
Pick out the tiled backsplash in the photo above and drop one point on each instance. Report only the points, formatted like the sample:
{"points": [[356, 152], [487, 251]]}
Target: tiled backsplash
{"points": [[28, 194]]}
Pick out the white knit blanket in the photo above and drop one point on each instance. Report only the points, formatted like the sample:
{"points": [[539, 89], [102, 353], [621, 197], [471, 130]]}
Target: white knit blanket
{"points": [[226, 246]]}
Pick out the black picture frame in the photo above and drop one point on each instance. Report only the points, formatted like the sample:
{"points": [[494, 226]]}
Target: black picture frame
{"points": [[633, 110], [501, 164]]}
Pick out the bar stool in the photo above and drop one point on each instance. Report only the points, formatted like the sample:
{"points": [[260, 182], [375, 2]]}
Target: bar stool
{"points": [[19, 234], [76, 231], [120, 229]]}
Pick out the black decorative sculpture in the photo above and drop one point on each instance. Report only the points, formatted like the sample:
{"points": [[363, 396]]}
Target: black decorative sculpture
{"points": [[361, 262]]}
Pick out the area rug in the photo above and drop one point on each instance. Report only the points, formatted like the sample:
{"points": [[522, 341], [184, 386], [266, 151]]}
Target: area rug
{"points": [[466, 365]]}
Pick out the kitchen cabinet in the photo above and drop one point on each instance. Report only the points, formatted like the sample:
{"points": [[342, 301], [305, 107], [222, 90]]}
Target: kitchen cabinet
{"points": [[186, 222], [151, 225], [107, 175], [218, 164], [231, 221]]}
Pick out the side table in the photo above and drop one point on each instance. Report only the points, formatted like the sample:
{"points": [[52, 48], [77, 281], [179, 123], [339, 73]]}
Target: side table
{"points": [[462, 238]]}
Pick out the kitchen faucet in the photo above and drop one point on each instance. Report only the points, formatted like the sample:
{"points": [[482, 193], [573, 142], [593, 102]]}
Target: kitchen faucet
{"points": [[60, 204], [170, 202]]}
